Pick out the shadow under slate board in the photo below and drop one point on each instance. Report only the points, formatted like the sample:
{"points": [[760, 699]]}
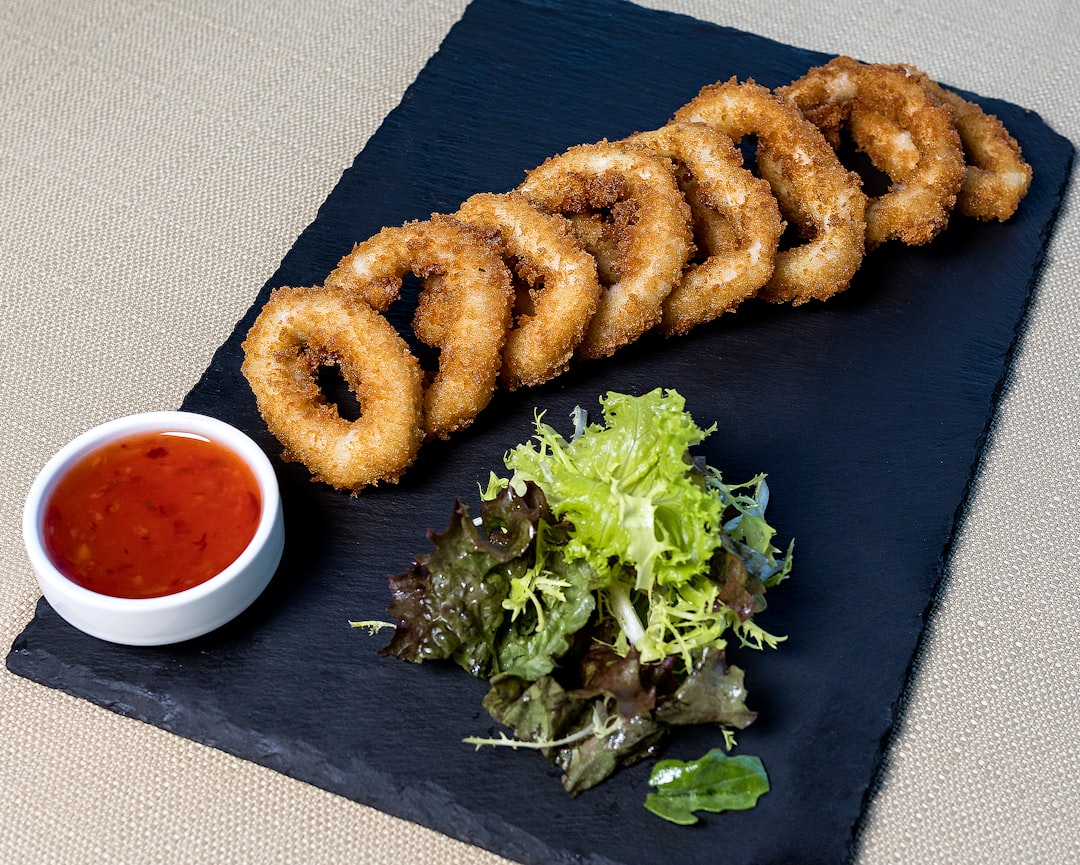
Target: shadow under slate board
{"points": [[868, 413]]}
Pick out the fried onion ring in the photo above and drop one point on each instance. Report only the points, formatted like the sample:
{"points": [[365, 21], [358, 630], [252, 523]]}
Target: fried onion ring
{"points": [[650, 245], [301, 329], [997, 176], [465, 313], [741, 230], [815, 192], [605, 241], [559, 286], [927, 179]]}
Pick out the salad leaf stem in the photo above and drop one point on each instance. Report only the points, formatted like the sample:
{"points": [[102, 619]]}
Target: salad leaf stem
{"points": [[372, 626], [601, 726], [625, 614]]}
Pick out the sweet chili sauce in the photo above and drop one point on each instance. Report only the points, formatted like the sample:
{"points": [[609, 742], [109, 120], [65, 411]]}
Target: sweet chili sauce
{"points": [[151, 514]]}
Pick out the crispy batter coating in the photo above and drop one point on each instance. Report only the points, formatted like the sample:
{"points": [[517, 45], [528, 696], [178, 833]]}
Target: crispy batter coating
{"points": [[736, 222], [301, 329], [465, 312], [997, 177], [647, 232], [926, 177], [559, 289], [815, 192], [605, 241]]}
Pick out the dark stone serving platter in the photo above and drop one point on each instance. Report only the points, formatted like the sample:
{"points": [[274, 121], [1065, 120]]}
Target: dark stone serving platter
{"points": [[869, 413]]}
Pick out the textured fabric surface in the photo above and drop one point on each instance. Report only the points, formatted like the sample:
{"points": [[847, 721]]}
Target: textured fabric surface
{"points": [[156, 161]]}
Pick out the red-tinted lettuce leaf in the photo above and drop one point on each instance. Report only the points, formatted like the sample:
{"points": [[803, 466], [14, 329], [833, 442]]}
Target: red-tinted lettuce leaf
{"points": [[735, 568], [448, 604], [536, 711], [542, 711], [588, 762], [509, 522], [713, 692], [604, 671]]}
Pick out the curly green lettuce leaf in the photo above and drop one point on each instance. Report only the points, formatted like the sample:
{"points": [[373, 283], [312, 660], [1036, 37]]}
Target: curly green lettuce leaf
{"points": [[715, 782], [626, 487], [651, 521]]}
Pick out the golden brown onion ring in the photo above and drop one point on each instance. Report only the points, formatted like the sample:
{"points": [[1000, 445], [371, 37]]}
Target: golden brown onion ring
{"points": [[465, 313], [890, 147], [916, 208], [301, 329], [742, 228], [815, 192], [652, 240], [559, 286], [997, 177]]}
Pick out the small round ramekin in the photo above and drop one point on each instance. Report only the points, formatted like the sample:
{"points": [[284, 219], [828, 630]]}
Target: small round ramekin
{"points": [[168, 618]]}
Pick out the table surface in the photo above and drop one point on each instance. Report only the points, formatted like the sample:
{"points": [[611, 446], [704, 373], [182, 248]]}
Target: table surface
{"points": [[158, 161]]}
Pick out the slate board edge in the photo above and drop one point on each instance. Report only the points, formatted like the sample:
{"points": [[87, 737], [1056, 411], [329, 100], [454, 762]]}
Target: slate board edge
{"points": [[982, 449], [978, 457]]}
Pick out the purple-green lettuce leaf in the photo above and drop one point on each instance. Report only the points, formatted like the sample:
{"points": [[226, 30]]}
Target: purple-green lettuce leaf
{"points": [[713, 693], [449, 603], [716, 782], [588, 762], [536, 711], [544, 712], [510, 522], [632, 685], [735, 568]]}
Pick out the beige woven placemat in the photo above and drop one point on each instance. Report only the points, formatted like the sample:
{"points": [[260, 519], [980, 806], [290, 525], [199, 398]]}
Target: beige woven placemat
{"points": [[156, 161]]}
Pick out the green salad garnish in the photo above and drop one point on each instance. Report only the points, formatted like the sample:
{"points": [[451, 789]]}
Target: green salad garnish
{"points": [[596, 589]]}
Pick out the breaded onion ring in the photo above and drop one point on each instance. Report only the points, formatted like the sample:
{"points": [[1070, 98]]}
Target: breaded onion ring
{"points": [[559, 289], [997, 177], [815, 192], [301, 329], [652, 241], [923, 192], [742, 231], [465, 313]]}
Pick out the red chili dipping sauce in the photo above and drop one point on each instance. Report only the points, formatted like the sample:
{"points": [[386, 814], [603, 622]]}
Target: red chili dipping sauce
{"points": [[151, 514]]}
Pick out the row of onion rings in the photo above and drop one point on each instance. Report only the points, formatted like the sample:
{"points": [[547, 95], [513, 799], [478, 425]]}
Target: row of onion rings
{"points": [[939, 150], [665, 229]]}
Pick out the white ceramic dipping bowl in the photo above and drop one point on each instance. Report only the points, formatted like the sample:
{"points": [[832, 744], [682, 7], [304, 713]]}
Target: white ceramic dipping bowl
{"points": [[168, 618]]}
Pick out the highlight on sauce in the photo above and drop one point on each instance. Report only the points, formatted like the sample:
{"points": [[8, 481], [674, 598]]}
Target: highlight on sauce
{"points": [[151, 514]]}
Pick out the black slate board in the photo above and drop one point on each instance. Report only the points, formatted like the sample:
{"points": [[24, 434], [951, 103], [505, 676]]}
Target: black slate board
{"points": [[868, 413]]}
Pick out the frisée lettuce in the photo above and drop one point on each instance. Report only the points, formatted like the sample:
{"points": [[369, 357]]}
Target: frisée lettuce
{"points": [[597, 588]]}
